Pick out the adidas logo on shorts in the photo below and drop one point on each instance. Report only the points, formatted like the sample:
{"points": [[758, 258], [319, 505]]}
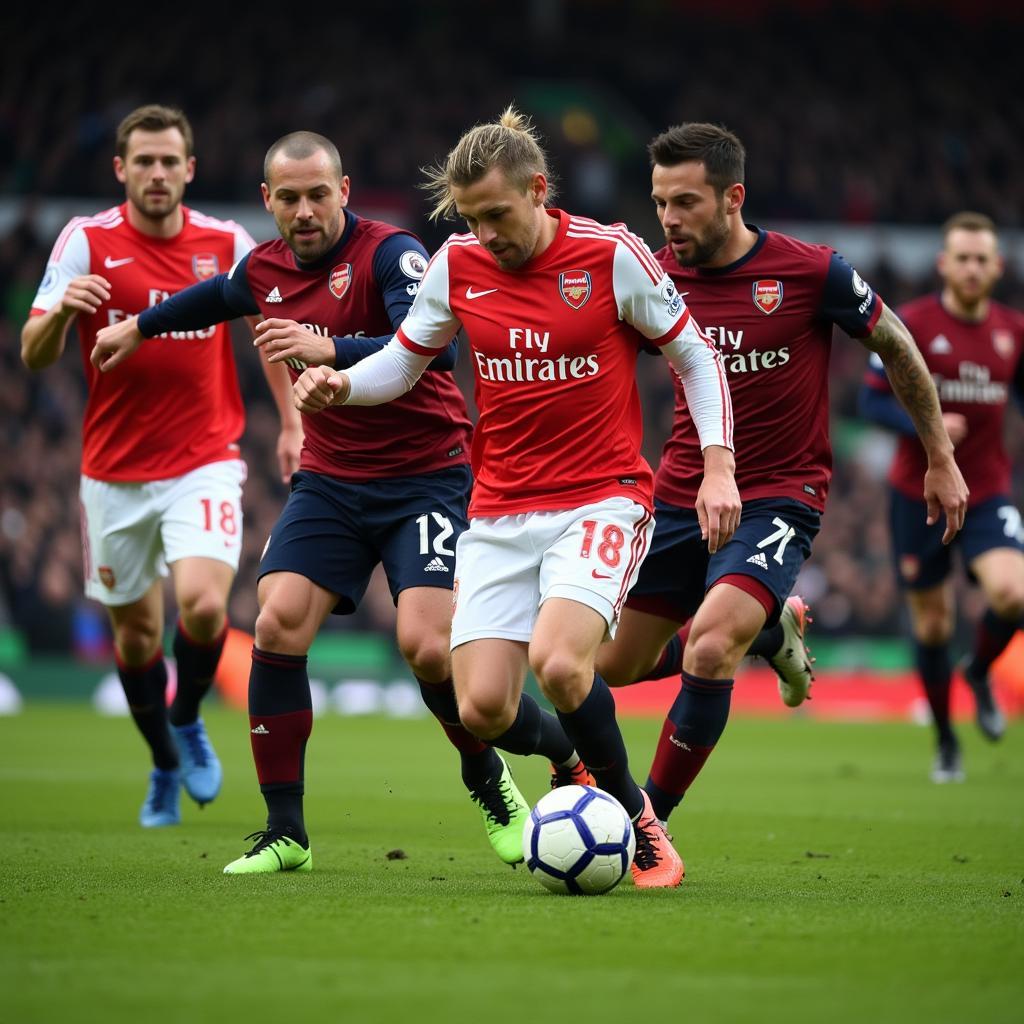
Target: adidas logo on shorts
{"points": [[760, 560], [274, 295], [435, 565]]}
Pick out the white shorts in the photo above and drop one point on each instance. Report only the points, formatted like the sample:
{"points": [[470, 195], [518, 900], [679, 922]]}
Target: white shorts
{"points": [[507, 567], [131, 532]]}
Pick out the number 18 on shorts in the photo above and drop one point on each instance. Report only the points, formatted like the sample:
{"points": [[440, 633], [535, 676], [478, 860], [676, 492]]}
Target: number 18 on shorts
{"points": [[508, 566]]}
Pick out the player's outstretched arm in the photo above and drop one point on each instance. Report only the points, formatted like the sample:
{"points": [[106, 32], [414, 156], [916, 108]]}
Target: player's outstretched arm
{"points": [[718, 500], [944, 486], [43, 337]]}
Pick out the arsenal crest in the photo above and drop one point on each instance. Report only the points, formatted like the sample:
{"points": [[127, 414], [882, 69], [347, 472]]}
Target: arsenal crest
{"points": [[767, 296], [575, 287], [205, 266], [1002, 341], [106, 575], [341, 277]]}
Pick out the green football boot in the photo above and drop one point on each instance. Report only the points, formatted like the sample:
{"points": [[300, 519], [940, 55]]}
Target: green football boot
{"points": [[272, 852], [505, 813]]}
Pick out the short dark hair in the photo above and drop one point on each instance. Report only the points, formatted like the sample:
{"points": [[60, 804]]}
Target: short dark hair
{"points": [[153, 118], [298, 146], [968, 220], [717, 148]]}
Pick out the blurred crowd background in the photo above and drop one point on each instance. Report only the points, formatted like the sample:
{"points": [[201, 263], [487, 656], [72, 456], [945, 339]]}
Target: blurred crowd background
{"points": [[854, 114]]}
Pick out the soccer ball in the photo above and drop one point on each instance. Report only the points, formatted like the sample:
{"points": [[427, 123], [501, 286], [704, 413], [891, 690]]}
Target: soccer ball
{"points": [[578, 840]]}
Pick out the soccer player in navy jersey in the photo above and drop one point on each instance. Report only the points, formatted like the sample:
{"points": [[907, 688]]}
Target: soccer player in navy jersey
{"points": [[974, 348], [387, 485], [769, 302]]}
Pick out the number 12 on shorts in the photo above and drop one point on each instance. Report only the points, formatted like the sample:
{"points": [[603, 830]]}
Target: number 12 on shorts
{"points": [[445, 530]]}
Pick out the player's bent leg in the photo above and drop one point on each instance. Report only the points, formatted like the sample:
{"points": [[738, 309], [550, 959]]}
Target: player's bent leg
{"points": [[423, 631], [292, 608], [489, 675], [637, 648], [562, 651], [137, 629], [201, 588], [931, 618], [722, 629]]}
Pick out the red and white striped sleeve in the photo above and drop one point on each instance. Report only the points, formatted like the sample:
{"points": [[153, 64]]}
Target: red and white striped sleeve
{"points": [[68, 260]]}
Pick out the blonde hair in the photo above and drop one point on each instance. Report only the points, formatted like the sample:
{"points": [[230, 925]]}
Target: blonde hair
{"points": [[510, 144]]}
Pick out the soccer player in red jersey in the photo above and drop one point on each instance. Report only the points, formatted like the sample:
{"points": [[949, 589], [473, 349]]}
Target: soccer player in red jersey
{"points": [[376, 485], [974, 348], [769, 302], [161, 474], [556, 308]]}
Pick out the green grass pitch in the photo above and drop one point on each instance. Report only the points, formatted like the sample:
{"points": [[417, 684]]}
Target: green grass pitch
{"points": [[827, 880]]}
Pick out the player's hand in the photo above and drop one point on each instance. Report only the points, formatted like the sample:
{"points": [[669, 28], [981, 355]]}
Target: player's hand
{"points": [[84, 294], [319, 387], [956, 426], [946, 491], [718, 500], [114, 344], [286, 339], [289, 450]]}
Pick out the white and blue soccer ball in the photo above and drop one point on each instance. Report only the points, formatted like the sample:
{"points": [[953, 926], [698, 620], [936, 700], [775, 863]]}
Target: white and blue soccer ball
{"points": [[578, 840]]}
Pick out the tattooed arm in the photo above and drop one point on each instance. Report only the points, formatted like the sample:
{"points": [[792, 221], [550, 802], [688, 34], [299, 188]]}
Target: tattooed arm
{"points": [[944, 487]]}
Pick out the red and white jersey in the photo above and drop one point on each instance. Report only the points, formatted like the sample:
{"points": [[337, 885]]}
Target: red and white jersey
{"points": [[554, 345], [175, 405], [974, 365]]}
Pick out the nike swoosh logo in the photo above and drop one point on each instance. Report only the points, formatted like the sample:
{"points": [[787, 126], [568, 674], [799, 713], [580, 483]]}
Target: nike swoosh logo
{"points": [[110, 264], [470, 294], [601, 575]]}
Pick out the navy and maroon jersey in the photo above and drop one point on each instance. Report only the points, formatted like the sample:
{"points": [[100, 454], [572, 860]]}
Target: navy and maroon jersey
{"points": [[358, 293], [974, 366], [352, 292], [771, 314], [176, 405]]}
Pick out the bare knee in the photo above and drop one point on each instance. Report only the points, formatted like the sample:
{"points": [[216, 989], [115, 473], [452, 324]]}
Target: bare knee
{"points": [[933, 629], [281, 629], [486, 717], [563, 679], [713, 654], [203, 614], [137, 641], [427, 655]]}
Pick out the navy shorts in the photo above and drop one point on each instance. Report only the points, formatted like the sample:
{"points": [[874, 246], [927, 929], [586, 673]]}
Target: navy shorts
{"points": [[923, 561], [334, 532], [770, 545]]}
